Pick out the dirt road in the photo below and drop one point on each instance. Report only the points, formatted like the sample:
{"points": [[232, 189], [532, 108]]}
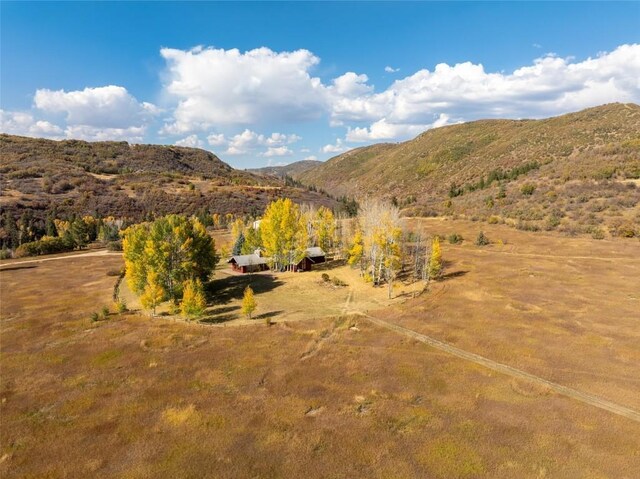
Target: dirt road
{"points": [[102, 252], [513, 372]]}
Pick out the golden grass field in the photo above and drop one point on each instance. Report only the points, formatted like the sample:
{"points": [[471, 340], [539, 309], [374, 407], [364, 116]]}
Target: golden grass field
{"points": [[323, 392]]}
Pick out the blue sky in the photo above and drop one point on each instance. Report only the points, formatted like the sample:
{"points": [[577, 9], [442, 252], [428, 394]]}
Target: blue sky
{"points": [[271, 83]]}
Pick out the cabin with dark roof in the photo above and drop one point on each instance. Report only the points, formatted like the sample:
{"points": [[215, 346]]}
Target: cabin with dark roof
{"points": [[312, 256], [248, 263]]}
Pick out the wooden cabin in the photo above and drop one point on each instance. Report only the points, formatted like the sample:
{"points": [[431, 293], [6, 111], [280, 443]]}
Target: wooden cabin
{"points": [[312, 256], [248, 263]]}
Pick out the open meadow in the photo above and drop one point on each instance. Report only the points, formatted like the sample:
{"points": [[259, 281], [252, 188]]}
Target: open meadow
{"points": [[324, 392]]}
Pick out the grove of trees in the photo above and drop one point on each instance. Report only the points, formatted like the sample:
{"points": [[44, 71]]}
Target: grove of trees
{"points": [[167, 258], [381, 250], [286, 230]]}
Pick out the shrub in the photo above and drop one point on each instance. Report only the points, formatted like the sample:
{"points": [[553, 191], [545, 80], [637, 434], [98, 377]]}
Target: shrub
{"points": [[553, 221], [338, 282], [46, 245], [325, 277], [121, 306], [104, 312], [114, 245], [94, 317], [494, 220], [482, 240], [597, 233], [528, 189], [455, 238], [174, 308]]}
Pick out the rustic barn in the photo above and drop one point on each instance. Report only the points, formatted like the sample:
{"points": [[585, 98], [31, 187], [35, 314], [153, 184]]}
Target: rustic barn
{"points": [[312, 256], [248, 263]]}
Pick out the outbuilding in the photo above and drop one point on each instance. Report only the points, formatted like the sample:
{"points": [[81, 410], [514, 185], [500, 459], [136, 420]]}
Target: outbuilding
{"points": [[314, 255], [248, 263]]}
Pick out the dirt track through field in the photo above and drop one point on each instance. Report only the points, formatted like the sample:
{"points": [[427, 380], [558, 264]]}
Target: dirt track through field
{"points": [[548, 256], [513, 372], [71, 256]]}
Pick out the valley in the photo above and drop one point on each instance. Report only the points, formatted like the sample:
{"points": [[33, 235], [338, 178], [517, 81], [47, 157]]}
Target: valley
{"points": [[141, 396]]}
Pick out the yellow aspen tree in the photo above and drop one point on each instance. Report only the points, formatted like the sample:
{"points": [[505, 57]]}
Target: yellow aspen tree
{"points": [[435, 261], [248, 302], [193, 299], [280, 231], [61, 226], [237, 227], [392, 257], [216, 220], [153, 293], [325, 228], [356, 252]]}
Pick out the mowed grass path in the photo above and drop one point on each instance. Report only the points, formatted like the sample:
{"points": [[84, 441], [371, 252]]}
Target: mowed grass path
{"points": [[334, 397]]}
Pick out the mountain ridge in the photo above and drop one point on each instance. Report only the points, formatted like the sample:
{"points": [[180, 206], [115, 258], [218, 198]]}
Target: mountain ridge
{"points": [[465, 169], [135, 181]]}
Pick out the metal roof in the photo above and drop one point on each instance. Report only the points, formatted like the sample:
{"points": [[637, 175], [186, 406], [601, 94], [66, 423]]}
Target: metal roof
{"points": [[314, 252], [247, 260]]}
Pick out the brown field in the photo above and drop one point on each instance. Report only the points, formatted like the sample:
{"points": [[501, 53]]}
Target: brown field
{"points": [[335, 396]]}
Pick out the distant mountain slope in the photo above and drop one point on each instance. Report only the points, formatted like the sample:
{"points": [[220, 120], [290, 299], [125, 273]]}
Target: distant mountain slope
{"points": [[581, 159], [293, 169], [115, 178]]}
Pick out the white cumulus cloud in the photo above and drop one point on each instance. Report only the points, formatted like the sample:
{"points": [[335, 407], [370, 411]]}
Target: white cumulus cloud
{"points": [[191, 141], [337, 147], [389, 69], [103, 107], [23, 123], [383, 130], [221, 87], [216, 139], [277, 151], [132, 134], [251, 142], [550, 86], [466, 91]]}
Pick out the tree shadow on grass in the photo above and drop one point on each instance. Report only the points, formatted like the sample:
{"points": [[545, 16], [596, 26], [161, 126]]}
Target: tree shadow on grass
{"points": [[328, 265], [224, 290], [15, 268], [453, 274], [219, 319], [270, 314], [222, 310]]}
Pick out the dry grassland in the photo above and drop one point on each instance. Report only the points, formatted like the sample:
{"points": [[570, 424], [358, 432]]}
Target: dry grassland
{"points": [[136, 397]]}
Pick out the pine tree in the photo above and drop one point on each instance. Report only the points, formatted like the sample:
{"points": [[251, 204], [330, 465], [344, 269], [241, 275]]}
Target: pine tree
{"points": [[435, 262], [153, 293], [79, 233], [239, 244], [11, 229], [50, 225], [248, 302], [193, 299]]}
